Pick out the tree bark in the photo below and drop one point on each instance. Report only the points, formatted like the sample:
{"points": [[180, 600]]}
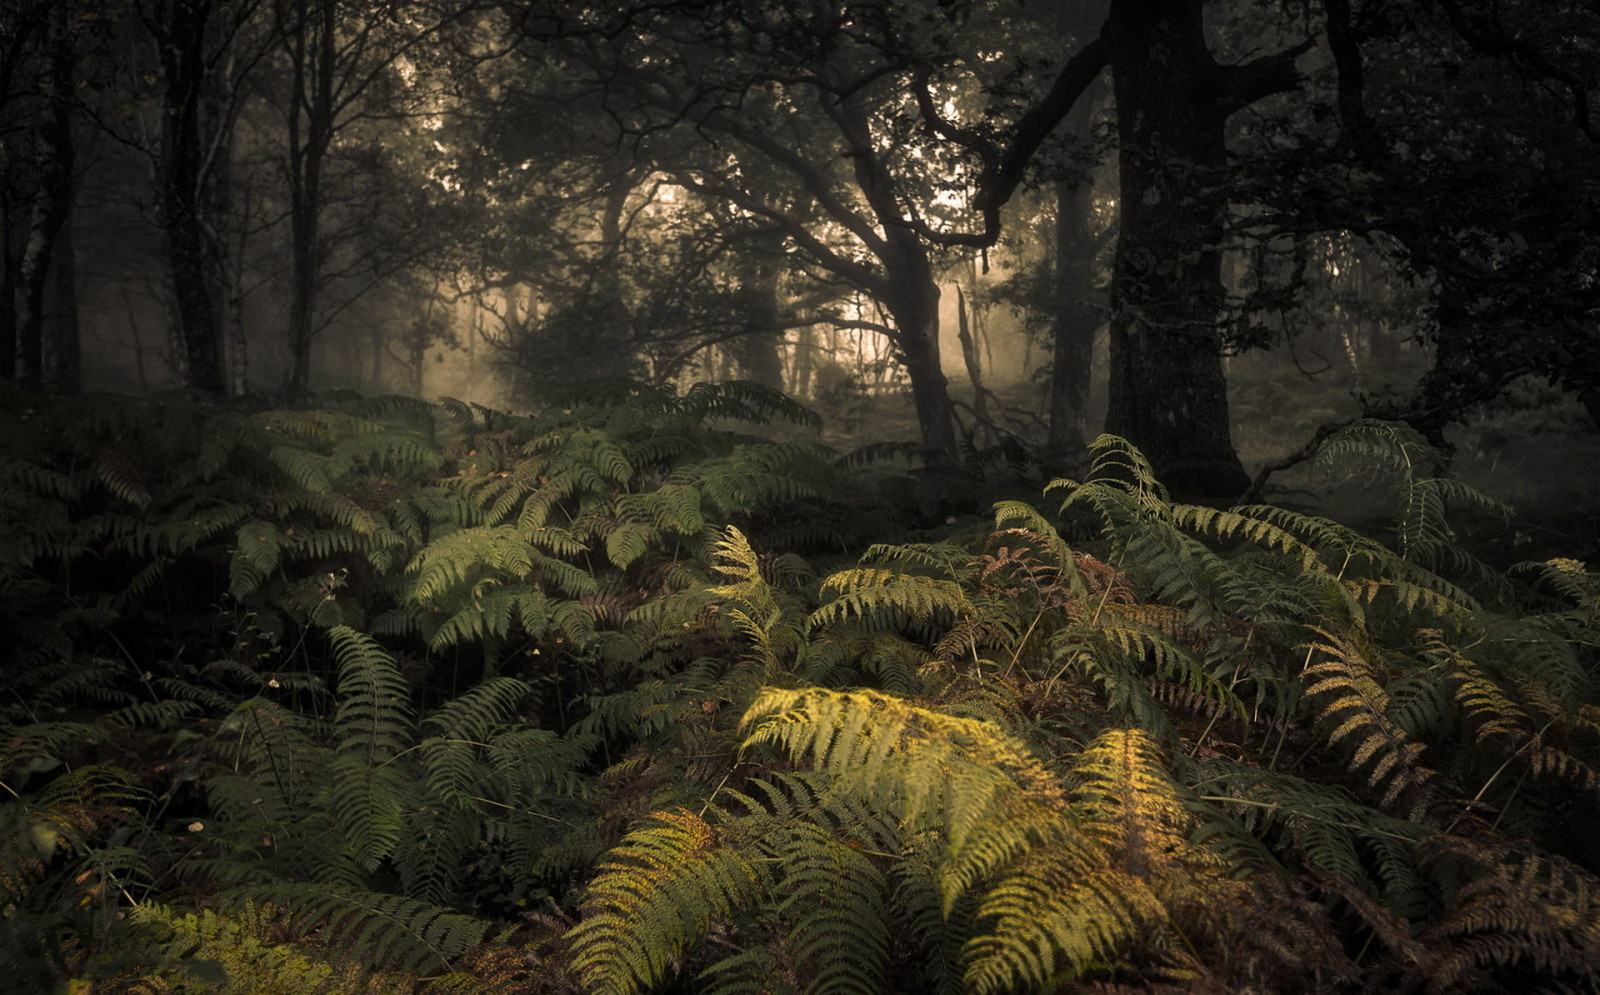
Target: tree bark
{"points": [[52, 202], [969, 354], [180, 35], [756, 351], [64, 352], [1167, 393], [310, 41], [10, 285], [914, 305], [1075, 321]]}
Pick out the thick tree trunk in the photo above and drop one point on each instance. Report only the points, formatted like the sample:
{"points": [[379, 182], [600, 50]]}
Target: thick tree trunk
{"points": [[1075, 320], [1167, 393], [1590, 398], [914, 305]]}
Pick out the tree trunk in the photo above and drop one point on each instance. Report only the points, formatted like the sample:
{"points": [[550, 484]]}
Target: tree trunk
{"points": [[10, 284], [310, 40], [1075, 320], [756, 351], [969, 354], [914, 305], [52, 202], [610, 353], [64, 355], [1167, 393], [181, 36]]}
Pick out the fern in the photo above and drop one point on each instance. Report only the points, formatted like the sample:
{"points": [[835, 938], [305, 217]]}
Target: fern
{"points": [[653, 897]]}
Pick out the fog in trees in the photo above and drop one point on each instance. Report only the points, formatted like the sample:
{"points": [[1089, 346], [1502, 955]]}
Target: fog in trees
{"points": [[1211, 228]]}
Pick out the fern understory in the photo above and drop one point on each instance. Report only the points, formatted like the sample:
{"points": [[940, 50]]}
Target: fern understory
{"points": [[369, 694]]}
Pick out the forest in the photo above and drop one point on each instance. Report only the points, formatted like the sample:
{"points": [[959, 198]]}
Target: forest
{"points": [[862, 496]]}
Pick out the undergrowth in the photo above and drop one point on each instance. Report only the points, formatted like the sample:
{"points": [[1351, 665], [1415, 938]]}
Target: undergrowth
{"points": [[377, 695]]}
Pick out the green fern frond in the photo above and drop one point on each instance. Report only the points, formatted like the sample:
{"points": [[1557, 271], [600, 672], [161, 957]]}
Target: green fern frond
{"points": [[870, 593], [256, 557], [1353, 704], [387, 932], [835, 899], [654, 897], [308, 470], [1048, 918], [375, 724]]}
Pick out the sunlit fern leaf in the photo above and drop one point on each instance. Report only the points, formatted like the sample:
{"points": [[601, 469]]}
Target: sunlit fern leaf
{"points": [[869, 592], [1353, 706], [654, 897], [1227, 525], [1130, 800], [206, 948], [979, 788], [1051, 916]]}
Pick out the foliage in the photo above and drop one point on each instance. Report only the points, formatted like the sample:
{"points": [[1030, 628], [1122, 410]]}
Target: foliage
{"points": [[376, 695]]}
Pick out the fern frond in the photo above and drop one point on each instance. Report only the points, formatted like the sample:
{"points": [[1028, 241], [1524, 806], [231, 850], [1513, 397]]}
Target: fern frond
{"points": [[655, 896]]}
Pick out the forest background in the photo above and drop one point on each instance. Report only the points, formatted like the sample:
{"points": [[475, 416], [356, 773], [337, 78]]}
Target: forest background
{"points": [[616, 666]]}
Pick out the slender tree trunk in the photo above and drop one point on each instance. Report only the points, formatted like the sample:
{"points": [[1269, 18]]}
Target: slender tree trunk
{"points": [[181, 36], [310, 39], [611, 353], [1167, 393], [10, 283], [969, 354], [138, 341], [52, 203], [64, 352]]}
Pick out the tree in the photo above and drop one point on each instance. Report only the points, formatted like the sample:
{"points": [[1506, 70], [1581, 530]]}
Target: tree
{"points": [[816, 122], [195, 43], [45, 207], [343, 74], [1167, 392], [1456, 140]]}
